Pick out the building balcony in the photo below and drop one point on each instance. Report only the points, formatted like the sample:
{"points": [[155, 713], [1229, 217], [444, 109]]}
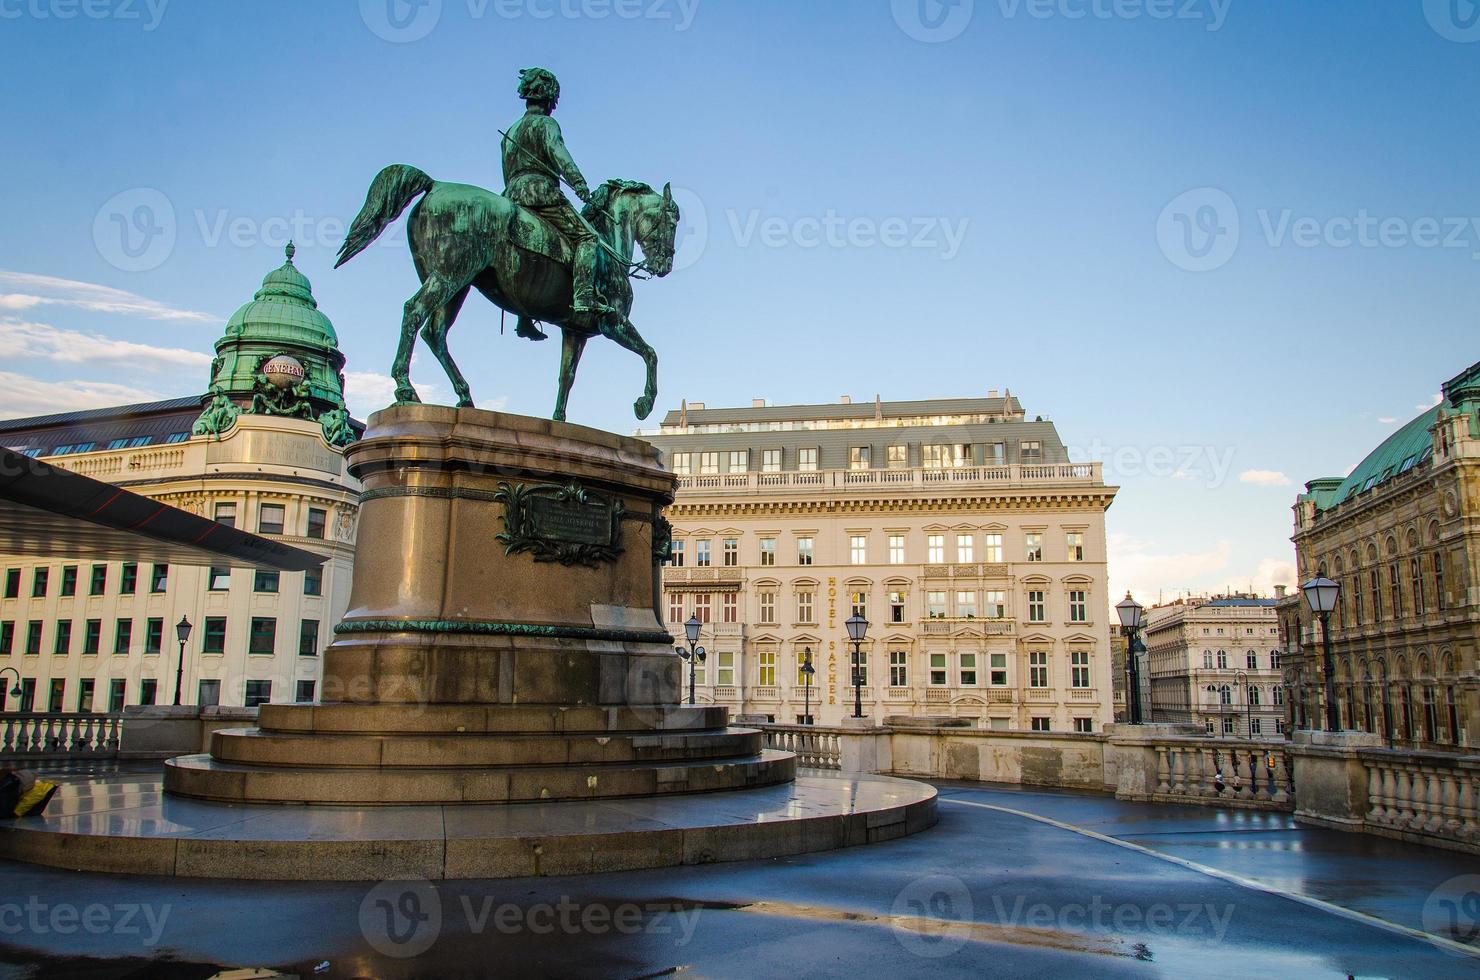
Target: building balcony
{"points": [[828, 481], [765, 692], [1041, 694], [950, 625], [1083, 694]]}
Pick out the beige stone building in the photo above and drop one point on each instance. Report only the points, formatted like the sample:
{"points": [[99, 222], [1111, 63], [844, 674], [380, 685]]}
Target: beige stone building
{"points": [[958, 528], [1401, 535], [1216, 662], [261, 450]]}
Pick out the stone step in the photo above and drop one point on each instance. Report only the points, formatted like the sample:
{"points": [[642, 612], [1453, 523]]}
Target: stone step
{"points": [[252, 746], [203, 777], [530, 719]]}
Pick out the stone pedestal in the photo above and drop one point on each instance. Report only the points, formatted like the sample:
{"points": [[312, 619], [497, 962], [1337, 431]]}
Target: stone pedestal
{"points": [[1330, 780], [503, 640]]}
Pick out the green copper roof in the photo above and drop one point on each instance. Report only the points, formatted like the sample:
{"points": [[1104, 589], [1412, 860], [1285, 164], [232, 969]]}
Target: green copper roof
{"points": [[1397, 454], [283, 310]]}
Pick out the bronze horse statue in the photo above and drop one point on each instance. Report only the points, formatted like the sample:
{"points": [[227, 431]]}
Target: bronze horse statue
{"points": [[465, 237]]}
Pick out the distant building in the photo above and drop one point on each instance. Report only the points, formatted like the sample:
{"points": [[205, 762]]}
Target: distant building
{"points": [[1217, 663], [263, 450], [958, 528], [1401, 534]]}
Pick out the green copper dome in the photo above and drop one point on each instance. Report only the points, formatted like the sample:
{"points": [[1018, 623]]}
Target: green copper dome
{"points": [[284, 311]]}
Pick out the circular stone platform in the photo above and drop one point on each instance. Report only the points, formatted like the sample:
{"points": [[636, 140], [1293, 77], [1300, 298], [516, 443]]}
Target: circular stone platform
{"points": [[125, 824]]}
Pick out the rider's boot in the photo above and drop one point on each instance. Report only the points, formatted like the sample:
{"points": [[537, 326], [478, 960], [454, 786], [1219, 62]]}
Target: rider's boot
{"points": [[528, 330]]}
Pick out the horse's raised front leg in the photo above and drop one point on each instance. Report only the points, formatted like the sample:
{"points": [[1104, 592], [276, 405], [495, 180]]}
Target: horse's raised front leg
{"points": [[435, 334], [572, 344], [625, 334], [432, 295]]}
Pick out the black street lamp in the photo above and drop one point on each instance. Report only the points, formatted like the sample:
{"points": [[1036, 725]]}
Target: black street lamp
{"points": [[1321, 594], [1132, 617], [857, 627], [16, 691], [182, 631], [1239, 677], [807, 671], [694, 654]]}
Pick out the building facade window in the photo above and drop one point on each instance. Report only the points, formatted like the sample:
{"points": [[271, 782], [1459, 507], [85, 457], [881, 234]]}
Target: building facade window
{"points": [[770, 461], [153, 634], [682, 464], [128, 578], [730, 552], [858, 458], [303, 692], [807, 460], [1040, 723], [159, 578], [768, 607], [677, 559], [804, 608], [724, 669], [262, 640], [39, 580], [270, 518], [896, 549], [896, 607], [858, 549], [702, 557], [33, 638], [1038, 668], [935, 549], [265, 581], [804, 551], [213, 635], [965, 549], [966, 605], [968, 669], [708, 464], [226, 514], [12, 583], [739, 460], [1079, 669], [768, 551], [675, 608], [308, 638], [766, 667], [1033, 546], [63, 643], [898, 457], [938, 670], [218, 579], [258, 693], [1251, 660], [999, 669], [318, 520], [123, 636], [69, 580], [729, 607], [702, 606], [1074, 543], [996, 605], [859, 604], [993, 550], [92, 637], [935, 605], [899, 671], [1078, 606], [1037, 606]]}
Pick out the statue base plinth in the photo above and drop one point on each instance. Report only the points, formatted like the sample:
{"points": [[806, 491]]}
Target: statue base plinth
{"points": [[503, 641]]}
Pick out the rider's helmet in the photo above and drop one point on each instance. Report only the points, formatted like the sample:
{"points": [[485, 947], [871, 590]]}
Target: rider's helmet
{"points": [[539, 85]]}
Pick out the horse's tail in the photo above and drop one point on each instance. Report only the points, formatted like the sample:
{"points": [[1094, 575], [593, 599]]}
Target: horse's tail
{"points": [[392, 189]]}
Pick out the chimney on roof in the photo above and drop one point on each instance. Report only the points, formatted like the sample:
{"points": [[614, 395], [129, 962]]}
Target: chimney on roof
{"points": [[991, 392], [683, 412], [697, 406], [847, 399], [1279, 591], [878, 409], [757, 403]]}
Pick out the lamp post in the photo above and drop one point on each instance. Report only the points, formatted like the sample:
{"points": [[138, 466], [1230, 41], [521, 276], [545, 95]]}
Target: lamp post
{"points": [[1321, 594], [16, 691], [807, 671], [182, 632], [1132, 617], [694, 654], [857, 627]]}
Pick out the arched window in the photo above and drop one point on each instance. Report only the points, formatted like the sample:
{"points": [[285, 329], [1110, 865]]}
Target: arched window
{"points": [[1222, 659], [1225, 695], [1252, 660], [1207, 660], [1254, 696], [1277, 695]]}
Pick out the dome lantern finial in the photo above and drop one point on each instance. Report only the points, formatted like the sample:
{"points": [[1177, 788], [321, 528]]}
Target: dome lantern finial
{"points": [[291, 250]]}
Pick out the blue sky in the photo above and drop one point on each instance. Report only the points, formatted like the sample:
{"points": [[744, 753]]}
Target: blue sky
{"points": [[1226, 245]]}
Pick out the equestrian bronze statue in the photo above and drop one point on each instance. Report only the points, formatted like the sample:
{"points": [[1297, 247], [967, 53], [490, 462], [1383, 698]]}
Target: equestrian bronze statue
{"points": [[527, 250]]}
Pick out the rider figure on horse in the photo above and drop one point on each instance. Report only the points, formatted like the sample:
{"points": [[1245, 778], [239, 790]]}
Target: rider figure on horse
{"points": [[535, 162]]}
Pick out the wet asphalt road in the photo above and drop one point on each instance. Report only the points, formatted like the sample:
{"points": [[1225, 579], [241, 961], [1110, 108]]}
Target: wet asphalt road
{"points": [[985, 893]]}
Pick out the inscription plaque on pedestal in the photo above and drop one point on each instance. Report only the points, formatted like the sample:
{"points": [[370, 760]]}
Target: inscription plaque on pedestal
{"points": [[568, 524]]}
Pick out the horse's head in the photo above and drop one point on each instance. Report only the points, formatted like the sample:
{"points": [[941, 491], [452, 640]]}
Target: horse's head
{"points": [[657, 229], [651, 218]]}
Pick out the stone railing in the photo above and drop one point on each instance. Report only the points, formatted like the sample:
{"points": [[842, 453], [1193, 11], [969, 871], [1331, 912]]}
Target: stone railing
{"points": [[1246, 773], [59, 736], [1431, 798], [815, 748], [1014, 475]]}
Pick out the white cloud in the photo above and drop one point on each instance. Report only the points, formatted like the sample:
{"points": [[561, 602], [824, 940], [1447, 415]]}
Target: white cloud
{"points": [[1274, 571], [1134, 566], [1264, 478], [37, 290], [1438, 398], [21, 395], [1386, 420], [20, 338]]}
